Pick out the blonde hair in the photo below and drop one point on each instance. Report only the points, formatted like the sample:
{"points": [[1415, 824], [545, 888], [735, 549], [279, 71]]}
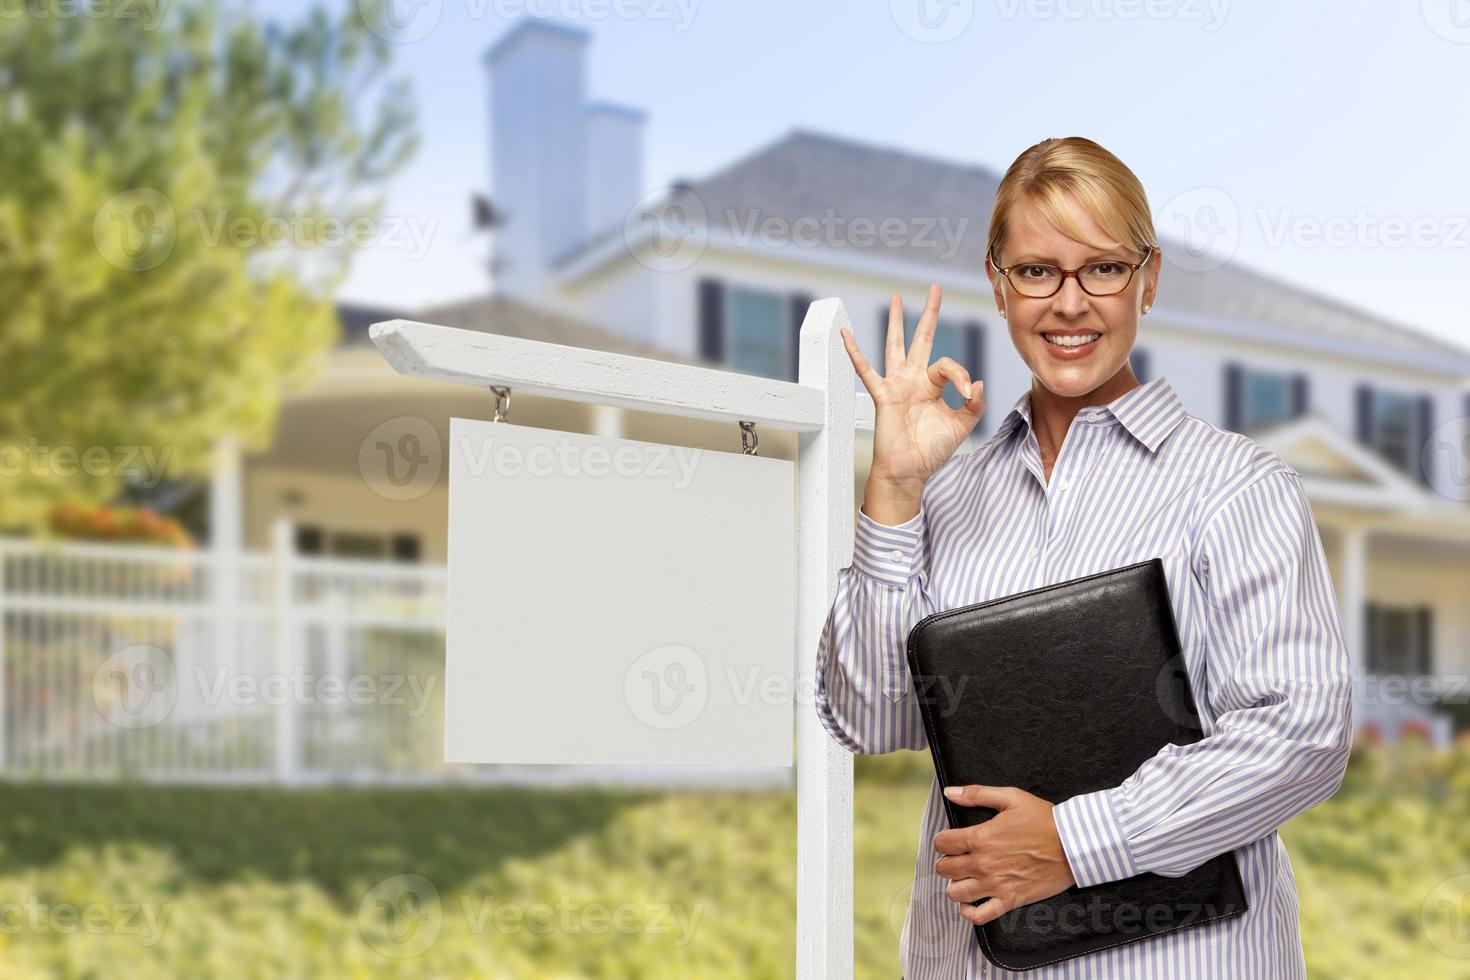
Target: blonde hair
{"points": [[1103, 185]]}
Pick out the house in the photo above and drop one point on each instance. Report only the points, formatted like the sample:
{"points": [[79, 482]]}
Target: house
{"points": [[719, 270]]}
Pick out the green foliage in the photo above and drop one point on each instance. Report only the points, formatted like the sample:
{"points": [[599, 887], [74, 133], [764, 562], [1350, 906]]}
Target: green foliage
{"points": [[542, 884], [170, 176]]}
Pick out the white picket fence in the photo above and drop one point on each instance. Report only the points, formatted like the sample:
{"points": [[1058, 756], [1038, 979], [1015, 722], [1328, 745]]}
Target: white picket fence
{"points": [[189, 666]]}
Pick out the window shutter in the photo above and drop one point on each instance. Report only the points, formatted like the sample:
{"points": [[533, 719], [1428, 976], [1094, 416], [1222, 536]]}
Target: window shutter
{"points": [[712, 320], [1424, 450], [799, 303], [1370, 637], [1363, 413], [882, 339], [1424, 636], [1234, 385], [975, 349], [1138, 359], [1300, 402]]}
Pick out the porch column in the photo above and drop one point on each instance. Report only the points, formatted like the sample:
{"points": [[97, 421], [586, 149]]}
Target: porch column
{"points": [[605, 421], [1353, 598]]}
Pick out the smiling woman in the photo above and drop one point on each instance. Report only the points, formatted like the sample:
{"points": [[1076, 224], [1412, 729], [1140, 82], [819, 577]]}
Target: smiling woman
{"points": [[1091, 470]]}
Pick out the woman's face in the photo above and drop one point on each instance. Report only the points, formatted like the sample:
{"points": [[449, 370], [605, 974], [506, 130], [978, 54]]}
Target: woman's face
{"points": [[1071, 311]]}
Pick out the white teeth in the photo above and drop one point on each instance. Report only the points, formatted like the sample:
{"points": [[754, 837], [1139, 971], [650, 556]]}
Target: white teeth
{"points": [[1071, 340]]}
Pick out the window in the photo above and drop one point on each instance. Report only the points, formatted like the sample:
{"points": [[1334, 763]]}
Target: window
{"points": [[1258, 397], [1393, 426], [1397, 425], [759, 332], [311, 540], [960, 341], [1399, 640]]}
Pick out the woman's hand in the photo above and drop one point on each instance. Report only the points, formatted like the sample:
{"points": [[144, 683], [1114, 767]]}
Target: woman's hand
{"points": [[1014, 858], [914, 431]]}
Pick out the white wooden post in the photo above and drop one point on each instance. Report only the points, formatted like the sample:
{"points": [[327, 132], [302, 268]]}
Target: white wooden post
{"points": [[824, 895], [283, 555], [826, 410]]}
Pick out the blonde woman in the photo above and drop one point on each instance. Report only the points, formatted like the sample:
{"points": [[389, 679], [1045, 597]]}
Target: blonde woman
{"points": [[1091, 470]]}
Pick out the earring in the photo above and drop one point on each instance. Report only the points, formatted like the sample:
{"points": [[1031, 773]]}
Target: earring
{"points": [[1147, 308], [1002, 314]]}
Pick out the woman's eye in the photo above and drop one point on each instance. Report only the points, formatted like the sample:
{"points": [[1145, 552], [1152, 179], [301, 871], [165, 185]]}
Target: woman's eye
{"points": [[1035, 271], [1107, 269]]}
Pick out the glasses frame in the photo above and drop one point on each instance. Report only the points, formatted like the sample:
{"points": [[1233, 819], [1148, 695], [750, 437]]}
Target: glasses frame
{"points": [[1133, 268]]}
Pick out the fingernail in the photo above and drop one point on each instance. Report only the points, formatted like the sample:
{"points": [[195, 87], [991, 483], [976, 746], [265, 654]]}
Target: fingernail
{"points": [[952, 791]]}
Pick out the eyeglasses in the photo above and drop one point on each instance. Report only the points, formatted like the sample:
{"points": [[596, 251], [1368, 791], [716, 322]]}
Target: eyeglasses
{"points": [[1038, 280]]}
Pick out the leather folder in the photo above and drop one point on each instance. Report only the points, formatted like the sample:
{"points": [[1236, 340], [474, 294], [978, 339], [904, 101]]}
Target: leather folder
{"points": [[1059, 690]]}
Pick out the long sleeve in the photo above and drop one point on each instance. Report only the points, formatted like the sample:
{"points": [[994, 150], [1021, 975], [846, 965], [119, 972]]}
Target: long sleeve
{"points": [[1280, 682], [863, 692]]}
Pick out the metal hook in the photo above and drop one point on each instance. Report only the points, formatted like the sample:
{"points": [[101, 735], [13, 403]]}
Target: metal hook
{"points": [[502, 402], [748, 439]]}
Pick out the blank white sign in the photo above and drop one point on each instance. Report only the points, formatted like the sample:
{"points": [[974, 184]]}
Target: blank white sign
{"points": [[617, 602]]}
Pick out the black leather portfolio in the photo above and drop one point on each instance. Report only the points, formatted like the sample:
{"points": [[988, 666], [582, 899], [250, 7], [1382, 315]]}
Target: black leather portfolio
{"points": [[1061, 690]]}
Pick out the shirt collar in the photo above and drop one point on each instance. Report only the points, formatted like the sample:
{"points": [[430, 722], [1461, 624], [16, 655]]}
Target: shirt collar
{"points": [[1149, 412]]}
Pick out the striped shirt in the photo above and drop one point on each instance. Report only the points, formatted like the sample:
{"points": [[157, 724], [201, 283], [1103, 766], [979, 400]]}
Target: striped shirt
{"points": [[1258, 623]]}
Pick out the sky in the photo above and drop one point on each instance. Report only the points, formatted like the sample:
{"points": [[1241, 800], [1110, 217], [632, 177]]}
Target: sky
{"points": [[1322, 143]]}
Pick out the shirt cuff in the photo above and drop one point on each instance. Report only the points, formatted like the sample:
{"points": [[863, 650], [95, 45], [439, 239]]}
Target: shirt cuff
{"points": [[1093, 839], [885, 552]]}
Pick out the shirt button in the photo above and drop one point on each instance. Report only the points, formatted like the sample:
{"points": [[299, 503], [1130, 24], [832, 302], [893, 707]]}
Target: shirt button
{"points": [[1066, 484], [1032, 552], [896, 555]]}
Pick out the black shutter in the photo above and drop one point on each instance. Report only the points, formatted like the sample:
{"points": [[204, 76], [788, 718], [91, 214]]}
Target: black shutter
{"points": [[1363, 413], [799, 303], [1300, 402], [975, 349], [1424, 637], [1372, 651], [1424, 450], [882, 339], [1234, 388], [712, 320], [1138, 359]]}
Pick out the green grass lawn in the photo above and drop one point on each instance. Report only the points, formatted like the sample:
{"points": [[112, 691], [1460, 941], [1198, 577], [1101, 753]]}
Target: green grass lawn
{"points": [[163, 882]]}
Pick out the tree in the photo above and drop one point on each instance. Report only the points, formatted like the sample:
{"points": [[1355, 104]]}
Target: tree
{"points": [[179, 187]]}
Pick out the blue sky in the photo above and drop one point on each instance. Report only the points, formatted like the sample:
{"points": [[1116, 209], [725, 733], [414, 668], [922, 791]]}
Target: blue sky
{"points": [[1336, 132]]}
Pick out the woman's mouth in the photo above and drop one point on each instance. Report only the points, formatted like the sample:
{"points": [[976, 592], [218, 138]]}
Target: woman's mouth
{"points": [[1071, 345]]}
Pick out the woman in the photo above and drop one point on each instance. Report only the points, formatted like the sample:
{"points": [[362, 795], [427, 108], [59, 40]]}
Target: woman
{"points": [[1089, 471]]}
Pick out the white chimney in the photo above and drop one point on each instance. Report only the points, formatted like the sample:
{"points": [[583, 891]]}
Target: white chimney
{"points": [[538, 150], [614, 164]]}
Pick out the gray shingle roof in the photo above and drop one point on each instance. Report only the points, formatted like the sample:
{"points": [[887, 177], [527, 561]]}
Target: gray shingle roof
{"points": [[809, 174]]}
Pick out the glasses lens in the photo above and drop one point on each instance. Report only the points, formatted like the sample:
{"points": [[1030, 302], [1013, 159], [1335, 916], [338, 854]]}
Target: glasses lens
{"points": [[1035, 280], [1102, 278]]}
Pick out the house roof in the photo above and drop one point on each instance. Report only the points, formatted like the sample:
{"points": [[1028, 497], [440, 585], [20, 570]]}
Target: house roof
{"points": [[511, 318], [806, 174]]}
